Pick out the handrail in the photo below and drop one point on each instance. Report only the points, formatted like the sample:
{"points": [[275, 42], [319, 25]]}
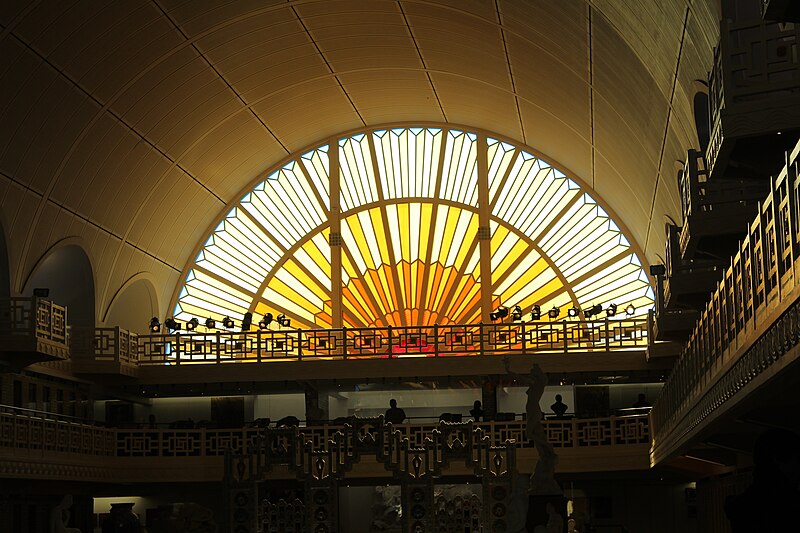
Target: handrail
{"points": [[44, 415], [761, 283]]}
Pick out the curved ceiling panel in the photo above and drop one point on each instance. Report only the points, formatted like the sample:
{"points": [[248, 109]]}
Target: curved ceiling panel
{"points": [[127, 123]]}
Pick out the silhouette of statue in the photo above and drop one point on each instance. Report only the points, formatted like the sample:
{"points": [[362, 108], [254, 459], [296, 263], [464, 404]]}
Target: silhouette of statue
{"points": [[476, 411], [394, 414], [559, 408], [766, 504], [543, 478]]}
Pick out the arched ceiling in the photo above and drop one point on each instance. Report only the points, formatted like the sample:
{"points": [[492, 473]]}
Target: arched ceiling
{"points": [[133, 125]]}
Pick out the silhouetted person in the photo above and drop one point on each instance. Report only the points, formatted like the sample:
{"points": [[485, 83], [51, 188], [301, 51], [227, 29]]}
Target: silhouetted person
{"points": [[641, 401], [559, 408], [477, 411], [394, 414], [769, 503]]}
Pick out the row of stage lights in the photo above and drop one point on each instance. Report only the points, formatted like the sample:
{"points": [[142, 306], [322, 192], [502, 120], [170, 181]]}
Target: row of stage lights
{"points": [[501, 312], [536, 312], [227, 323]]}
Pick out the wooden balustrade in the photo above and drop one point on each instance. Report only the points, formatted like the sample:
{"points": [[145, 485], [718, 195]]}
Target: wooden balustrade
{"points": [[219, 347], [29, 430], [33, 330], [751, 320]]}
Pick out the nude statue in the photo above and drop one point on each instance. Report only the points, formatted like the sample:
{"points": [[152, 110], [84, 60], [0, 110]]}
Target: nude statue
{"points": [[543, 478]]}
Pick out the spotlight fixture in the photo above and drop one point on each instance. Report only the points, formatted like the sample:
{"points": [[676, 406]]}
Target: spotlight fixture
{"points": [[283, 321], [192, 324], [630, 310], [265, 322], [172, 324], [573, 312], [211, 323], [500, 312], [41, 292], [516, 313], [247, 320], [227, 322], [536, 313], [611, 310], [658, 270], [554, 312], [155, 325], [593, 310]]}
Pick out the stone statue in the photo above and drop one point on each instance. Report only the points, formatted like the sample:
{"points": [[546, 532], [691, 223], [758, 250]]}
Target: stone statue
{"points": [[59, 517], [543, 478]]}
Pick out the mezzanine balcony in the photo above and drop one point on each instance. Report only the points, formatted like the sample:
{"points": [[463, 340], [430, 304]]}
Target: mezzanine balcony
{"points": [[754, 98], [40, 446], [419, 351], [32, 330], [744, 352], [715, 212]]}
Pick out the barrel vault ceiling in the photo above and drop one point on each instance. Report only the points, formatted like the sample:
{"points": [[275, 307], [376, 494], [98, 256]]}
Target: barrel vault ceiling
{"points": [[129, 126]]}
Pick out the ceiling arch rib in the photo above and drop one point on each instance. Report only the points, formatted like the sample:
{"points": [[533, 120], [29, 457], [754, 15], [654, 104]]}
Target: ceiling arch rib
{"points": [[409, 236]]}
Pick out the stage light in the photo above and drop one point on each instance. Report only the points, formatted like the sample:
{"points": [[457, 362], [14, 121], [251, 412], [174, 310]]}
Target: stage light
{"points": [[283, 321], [658, 270], [573, 311], [211, 323], [247, 321], [41, 292], [265, 322], [554, 312], [516, 313], [593, 310], [536, 313], [172, 324], [155, 325], [227, 322], [611, 310], [192, 324], [630, 310], [497, 314]]}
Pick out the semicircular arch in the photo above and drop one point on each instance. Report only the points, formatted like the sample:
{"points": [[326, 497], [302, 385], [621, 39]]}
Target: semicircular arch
{"points": [[377, 219]]}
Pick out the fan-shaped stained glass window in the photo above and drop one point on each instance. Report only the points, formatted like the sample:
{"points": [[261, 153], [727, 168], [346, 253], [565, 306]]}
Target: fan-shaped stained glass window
{"points": [[412, 226]]}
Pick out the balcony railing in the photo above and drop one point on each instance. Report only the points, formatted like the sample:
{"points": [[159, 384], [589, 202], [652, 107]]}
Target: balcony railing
{"points": [[34, 325], [34, 317], [35, 431], [752, 318], [375, 343]]}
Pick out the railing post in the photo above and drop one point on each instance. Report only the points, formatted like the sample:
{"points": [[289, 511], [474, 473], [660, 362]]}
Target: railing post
{"points": [[344, 342], [436, 340], [524, 340], [481, 349], [117, 350], [564, 328], [299, 344], [389, 329], [607, 335]]}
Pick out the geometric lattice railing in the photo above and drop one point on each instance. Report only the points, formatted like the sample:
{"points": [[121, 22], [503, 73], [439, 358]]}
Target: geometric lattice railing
{"points": [[749, 323], [449, 340]]}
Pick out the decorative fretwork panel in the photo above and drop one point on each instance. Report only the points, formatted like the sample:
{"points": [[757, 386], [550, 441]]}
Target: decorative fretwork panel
{"points": [[597, 432]]}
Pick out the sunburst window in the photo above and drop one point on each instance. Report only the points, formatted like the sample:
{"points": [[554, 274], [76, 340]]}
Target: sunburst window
{"points": [[400, 227]]}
